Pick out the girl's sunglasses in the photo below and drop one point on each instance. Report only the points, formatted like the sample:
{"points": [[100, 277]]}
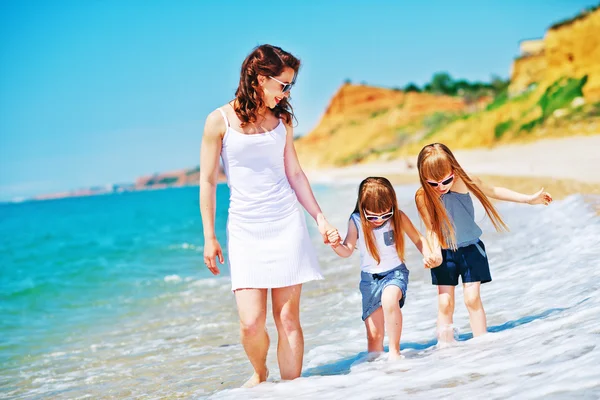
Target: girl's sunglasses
{"points": [[445, 182], [285, 87], [382, 217]]}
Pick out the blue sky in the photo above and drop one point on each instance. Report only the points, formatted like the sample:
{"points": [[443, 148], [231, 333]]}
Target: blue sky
{"points": [[97, 92]]}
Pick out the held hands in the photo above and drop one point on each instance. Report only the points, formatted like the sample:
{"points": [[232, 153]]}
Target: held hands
{"points": [[432, 260], [334, 238], [329, 233], [540, 197], [212, 251]]}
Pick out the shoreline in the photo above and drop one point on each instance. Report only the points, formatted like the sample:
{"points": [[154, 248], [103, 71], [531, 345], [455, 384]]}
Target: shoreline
{"points": [[562, 166]]}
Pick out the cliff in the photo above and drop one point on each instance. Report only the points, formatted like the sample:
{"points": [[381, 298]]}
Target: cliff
{"points": [[554, 91], [569, 48], [363, 120]]}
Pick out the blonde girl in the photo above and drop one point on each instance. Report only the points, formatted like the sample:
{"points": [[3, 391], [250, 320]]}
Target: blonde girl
{"points": [[446, 207]]}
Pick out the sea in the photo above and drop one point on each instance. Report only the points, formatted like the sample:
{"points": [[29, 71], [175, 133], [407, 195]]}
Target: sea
{"points": [[107, 297]]}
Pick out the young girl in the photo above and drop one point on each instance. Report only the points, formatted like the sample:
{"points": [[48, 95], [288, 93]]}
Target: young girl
{"points": [[377, 228], [445, 205]]}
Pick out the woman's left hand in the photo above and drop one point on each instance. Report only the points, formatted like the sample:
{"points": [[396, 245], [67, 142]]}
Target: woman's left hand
{"points": [[334, 238], [540, 197], [325, 228]]}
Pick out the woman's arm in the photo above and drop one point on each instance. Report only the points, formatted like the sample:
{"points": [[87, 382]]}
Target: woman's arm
{"points": [[500, 193], [301, 186], [346, 248], [210, 151]]}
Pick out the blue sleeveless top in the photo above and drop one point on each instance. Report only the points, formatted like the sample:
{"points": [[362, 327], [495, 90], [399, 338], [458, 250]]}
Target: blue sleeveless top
{"points": [[461, 212]]}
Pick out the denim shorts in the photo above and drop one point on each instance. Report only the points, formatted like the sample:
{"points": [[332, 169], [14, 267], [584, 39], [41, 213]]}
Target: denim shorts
{"points": [[470, 262], [372, 285]]}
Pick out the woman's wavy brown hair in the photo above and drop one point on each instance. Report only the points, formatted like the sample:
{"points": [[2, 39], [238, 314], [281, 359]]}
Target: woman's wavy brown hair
{"points": [[265, 60], [377, 195], [435, 162]]}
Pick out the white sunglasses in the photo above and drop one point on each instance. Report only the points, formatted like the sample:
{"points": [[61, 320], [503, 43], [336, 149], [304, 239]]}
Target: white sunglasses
{"points": [[382, 217], [285, 87]]}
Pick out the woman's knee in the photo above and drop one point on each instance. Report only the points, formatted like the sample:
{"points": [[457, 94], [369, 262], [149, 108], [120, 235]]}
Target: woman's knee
{"points": [[288, 321], [253, 325]]}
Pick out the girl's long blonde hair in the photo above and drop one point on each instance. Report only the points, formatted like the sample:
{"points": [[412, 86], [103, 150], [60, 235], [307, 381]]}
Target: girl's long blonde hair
{"points": [[377, 195], [435, 162]]}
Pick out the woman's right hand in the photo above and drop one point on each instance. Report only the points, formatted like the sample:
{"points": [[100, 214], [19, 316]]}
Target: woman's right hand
{"points": [[212, 251]]}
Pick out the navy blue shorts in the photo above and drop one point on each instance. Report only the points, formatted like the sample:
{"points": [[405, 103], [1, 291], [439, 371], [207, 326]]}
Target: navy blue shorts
{"points": [[470, 262]]}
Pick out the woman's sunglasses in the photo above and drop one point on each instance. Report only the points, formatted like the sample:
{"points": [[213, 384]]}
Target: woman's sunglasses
{"points": [[445, 182], [382, 217], [285, 87]]}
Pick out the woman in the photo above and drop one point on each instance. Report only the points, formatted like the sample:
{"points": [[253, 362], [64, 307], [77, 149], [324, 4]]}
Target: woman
{"points": [[268, 242]]}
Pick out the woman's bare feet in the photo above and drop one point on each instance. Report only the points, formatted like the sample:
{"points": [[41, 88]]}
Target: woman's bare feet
{"points": [[256, 379]]}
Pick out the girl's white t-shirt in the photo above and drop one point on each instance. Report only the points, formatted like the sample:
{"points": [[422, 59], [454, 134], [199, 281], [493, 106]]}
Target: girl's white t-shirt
{"points": [[386, 245]]}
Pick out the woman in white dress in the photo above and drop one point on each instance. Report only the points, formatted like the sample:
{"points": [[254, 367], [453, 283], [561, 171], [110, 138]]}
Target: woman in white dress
{"points": [[268, 242]]}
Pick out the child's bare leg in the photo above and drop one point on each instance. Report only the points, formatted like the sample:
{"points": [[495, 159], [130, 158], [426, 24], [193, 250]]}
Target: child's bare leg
{"points": [[392, 315], [445, 314], [477, 316], [375, 331]]}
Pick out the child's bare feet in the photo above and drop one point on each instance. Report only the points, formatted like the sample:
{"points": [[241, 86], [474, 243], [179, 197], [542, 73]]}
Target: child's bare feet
{"points": [[447, 335], [395, 356]]}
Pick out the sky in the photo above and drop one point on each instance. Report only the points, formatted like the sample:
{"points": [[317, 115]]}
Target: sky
{"points": [[98, 92]]}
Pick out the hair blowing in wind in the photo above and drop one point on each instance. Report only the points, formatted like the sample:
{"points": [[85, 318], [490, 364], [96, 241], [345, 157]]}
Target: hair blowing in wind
{"points": [[435, 162]]}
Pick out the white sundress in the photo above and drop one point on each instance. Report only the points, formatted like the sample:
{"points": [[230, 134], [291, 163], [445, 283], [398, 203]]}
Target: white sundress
{"points": [[267, 238]]}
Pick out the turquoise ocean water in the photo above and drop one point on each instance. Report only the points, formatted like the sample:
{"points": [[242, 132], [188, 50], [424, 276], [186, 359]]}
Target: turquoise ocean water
{"points": [[74, 265], [108, 297]]}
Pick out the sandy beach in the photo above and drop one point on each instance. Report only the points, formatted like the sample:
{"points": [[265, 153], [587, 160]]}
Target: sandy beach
{"points": [[562, 166]]}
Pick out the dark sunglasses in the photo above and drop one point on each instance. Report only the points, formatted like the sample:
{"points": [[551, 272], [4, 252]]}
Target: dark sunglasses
{"points": [[383, 217], [442, 183], [285, 87]]}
